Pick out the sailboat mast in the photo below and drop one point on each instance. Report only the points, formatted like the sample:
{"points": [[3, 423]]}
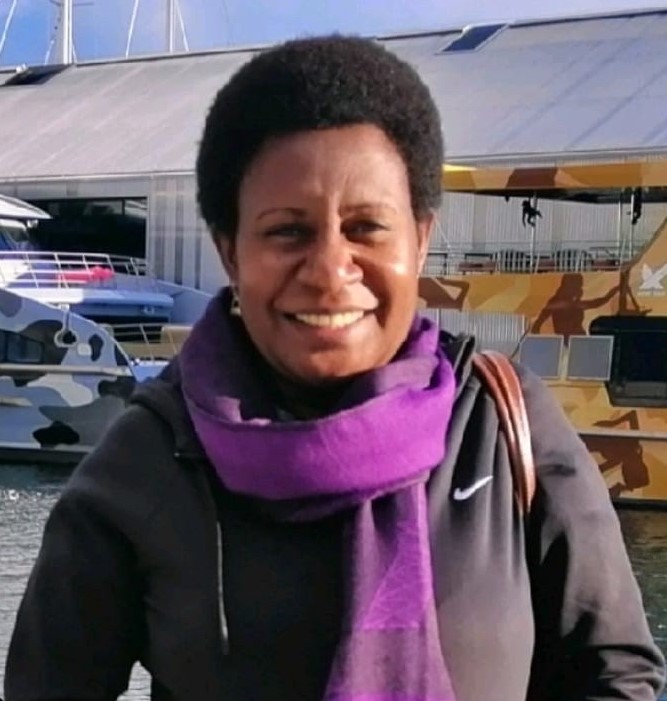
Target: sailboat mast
{"points": [[65, 40], [174, 22], [171, 25]]}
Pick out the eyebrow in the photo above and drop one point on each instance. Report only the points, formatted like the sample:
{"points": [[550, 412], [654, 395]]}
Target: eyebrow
{"points": [[294, 211], [366, 206], [299, 213]]}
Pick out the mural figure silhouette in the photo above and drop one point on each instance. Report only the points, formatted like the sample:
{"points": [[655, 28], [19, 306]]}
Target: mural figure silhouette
{"points": [[566, 308], [621, 451], [529, 213]]}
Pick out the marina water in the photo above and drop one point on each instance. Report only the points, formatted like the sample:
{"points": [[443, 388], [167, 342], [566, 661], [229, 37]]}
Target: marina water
{"points": [[27, 495]]}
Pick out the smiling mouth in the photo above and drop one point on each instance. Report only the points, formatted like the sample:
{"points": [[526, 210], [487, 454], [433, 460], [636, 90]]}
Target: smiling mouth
{"points": [[338, 320]]}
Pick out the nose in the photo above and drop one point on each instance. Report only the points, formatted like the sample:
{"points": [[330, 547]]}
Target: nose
{"points": [[329, 264]]}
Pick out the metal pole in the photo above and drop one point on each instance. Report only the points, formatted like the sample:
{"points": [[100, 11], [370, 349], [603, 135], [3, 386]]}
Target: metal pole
{"points": [[619, 229], [130, 33], [633, 200], [65, 43], [8, 23], [171, 26], [184, 36]]}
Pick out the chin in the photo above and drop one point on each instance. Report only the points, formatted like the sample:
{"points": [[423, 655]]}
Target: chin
{"points": [[325, 374]]}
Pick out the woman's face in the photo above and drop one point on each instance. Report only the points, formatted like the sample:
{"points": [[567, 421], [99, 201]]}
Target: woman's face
{"points": [[327, 253]]}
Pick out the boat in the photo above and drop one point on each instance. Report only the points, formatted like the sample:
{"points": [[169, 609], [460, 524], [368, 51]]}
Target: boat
{"points": [[564, 268], [105, 288], [78, 331]]}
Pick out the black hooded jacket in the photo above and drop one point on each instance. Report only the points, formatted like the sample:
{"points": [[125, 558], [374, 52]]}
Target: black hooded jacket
{"points": [[143, 545]]}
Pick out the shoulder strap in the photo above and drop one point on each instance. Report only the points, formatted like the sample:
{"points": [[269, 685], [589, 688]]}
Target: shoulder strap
{"points": [[500, 379]]}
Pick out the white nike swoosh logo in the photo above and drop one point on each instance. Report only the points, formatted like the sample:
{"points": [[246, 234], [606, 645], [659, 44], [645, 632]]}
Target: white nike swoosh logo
{"points": [[463, 494]]}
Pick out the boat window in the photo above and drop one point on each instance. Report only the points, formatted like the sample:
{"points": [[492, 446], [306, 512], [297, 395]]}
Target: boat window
{"points": [[590, 358], [18, 348], [14, 236], [542, 354], [114, 226], [639, 362]]}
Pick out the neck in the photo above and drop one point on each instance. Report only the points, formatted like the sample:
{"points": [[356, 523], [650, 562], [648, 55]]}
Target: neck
{"points": [[307, 401]]}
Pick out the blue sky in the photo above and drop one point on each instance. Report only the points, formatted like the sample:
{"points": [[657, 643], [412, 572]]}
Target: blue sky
{"points": [[101, 26]]}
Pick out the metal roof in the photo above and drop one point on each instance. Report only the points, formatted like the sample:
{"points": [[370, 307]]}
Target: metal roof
{"points": [[577, 89]]}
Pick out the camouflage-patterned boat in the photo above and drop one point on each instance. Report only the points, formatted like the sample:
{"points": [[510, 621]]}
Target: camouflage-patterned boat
{"points": [[566, 269], [77, 331]]}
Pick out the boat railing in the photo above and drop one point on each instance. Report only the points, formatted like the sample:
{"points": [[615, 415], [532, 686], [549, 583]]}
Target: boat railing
{"points": [[73, 270], [153, 342], [511, 257]]}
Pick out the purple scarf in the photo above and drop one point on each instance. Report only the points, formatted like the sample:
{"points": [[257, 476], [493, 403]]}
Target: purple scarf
{"points": [[372, 456]]}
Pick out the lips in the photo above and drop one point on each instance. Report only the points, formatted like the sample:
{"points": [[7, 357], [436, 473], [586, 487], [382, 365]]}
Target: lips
{"points": [[338, 320]]}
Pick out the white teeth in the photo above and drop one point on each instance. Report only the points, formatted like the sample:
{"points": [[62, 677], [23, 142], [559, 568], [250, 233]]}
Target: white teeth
{"points": [[333, 321]]}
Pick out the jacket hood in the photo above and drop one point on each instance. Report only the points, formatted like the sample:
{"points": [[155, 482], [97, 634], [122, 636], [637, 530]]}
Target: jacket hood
{"points": [[163, 396]]}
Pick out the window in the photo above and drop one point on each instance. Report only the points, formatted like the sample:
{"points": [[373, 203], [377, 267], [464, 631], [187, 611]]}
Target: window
{"points": [[21, 349], [542, 354], [14, 236], [34, 75], [590, 358], [472, 38], [114, 226], [639, 361]]}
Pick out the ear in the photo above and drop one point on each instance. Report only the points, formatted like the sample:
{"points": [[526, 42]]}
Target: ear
{"points": [[425, 227], [226, 247]]}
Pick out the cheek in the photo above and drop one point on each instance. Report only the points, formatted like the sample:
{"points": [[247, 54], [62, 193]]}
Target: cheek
{"points": [[400, 269], [404, 259], [257, 269], [396, 286], [396, 273]]}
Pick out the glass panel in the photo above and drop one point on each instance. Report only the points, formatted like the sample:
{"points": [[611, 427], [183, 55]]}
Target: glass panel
{"points": [[639, 362], [21, 349], [590, 357], [541, 354], [112, 226], [473, 38]]}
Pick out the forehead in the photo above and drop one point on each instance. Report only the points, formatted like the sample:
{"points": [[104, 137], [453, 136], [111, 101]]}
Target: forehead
{"points": [[359, 157]]}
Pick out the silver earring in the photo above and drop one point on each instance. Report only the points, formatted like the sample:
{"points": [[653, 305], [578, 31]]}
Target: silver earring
{"points": [[235, 308]]}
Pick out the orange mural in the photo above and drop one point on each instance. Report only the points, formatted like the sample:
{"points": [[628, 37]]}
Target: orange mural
{"points": [[566, 308], [624, 428], [624, 452]]}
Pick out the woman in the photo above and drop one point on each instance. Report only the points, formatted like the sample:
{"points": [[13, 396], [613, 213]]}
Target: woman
{"points": [[314, 501]]}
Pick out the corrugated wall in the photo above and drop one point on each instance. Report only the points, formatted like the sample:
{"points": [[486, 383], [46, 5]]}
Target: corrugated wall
{"points": [[486, 224], [180, 248], [493, 331]]}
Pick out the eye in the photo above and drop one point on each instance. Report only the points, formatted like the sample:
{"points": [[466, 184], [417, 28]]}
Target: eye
{"points": [[288, 231], [361, 227]]}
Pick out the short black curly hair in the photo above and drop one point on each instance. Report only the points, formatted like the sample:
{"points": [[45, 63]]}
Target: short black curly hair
{"points": [[316, 83]]}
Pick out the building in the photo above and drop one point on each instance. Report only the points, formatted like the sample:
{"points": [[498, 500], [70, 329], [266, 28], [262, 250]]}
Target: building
{"points": [[109, 147]]}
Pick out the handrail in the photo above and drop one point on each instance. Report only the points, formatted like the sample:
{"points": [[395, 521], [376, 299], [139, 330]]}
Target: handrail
{"points": [[624, 433], [517, 257], [111, 371], [73, 270], [152, 341]]}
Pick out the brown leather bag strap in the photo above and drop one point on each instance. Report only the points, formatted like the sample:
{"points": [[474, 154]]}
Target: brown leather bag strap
{"points": [[501, 380]]}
